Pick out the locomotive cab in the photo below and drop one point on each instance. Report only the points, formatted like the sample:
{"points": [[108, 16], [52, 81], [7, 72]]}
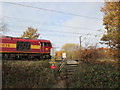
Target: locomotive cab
{"points": [[45, 49]]}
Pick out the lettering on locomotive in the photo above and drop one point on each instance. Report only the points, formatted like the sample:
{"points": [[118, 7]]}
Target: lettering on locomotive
{"points": [[7, 45]]}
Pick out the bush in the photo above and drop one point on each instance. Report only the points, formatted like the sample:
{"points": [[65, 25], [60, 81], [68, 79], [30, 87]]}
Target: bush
{"points": [[88, 75], [26, 74]]}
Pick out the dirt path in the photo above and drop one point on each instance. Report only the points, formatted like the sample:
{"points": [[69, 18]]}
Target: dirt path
{"points": [[61, 83], [69, 71]]}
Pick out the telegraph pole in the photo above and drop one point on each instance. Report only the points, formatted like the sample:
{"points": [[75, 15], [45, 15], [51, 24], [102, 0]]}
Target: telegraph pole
{"points": [[80, 38]]}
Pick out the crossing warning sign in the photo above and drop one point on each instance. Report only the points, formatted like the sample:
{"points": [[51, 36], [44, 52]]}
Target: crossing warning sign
{"points": [[52, 67]]}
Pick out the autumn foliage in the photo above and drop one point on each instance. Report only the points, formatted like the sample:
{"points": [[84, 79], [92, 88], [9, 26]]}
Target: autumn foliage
{"points": [[90, 54], [70, 49], [30, 33], [59, 55], [111, 19]]}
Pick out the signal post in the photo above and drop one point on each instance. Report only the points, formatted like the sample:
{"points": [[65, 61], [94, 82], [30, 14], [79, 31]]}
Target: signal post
{"points": [[52, 62]]}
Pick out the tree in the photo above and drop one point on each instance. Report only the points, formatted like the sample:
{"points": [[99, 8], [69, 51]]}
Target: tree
{"points": [[30, 33], [111, 19], [2, 27], [59, 55], [70, 49]]}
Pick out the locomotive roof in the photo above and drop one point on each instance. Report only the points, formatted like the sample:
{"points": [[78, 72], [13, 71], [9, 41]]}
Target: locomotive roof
{"points": [[24, 39]]}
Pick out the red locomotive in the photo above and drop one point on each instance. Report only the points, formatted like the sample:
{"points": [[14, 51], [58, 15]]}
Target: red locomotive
{"points": [[19, 48]]}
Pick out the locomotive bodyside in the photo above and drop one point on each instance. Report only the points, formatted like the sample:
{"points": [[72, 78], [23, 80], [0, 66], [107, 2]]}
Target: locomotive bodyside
{"points": [[25, 48]]}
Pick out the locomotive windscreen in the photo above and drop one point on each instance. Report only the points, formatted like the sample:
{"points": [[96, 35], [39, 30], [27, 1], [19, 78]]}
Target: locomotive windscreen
{"points": [[23, 46]]}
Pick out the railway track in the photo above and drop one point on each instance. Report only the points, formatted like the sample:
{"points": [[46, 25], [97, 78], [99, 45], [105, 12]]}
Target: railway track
{"points": [[71, 68], [67, 71]]}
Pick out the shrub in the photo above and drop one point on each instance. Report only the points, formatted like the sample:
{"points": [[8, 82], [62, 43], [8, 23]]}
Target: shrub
{"points": [[89, 75], [26, 74]]}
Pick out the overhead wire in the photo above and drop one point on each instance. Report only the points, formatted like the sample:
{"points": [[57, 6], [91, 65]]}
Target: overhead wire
{"points": [[29, 6], [60, 32], [59, 35], [57, 12], [23, 20], [50, 30], [56, 35]]}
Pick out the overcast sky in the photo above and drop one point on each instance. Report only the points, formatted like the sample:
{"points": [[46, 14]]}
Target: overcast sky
{"points": [[59, 28]]}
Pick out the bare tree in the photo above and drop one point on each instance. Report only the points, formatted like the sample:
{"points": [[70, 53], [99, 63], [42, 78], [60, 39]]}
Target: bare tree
{"points": [[2, 27]]}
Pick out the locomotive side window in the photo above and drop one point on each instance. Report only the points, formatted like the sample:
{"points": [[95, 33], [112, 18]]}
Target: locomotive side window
{"points": [[42, 44], [47, 44], [23, 46]]}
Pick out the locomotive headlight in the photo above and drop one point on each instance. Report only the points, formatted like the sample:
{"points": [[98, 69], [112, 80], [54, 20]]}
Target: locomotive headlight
{"points": [[46, 48]]}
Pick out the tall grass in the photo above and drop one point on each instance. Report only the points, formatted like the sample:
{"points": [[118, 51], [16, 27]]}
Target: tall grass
{"points": [[26, 74]]}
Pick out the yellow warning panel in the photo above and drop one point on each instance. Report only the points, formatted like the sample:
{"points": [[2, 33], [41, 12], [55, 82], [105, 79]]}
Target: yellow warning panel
{"points": [[7, 45], [35, 46]]}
